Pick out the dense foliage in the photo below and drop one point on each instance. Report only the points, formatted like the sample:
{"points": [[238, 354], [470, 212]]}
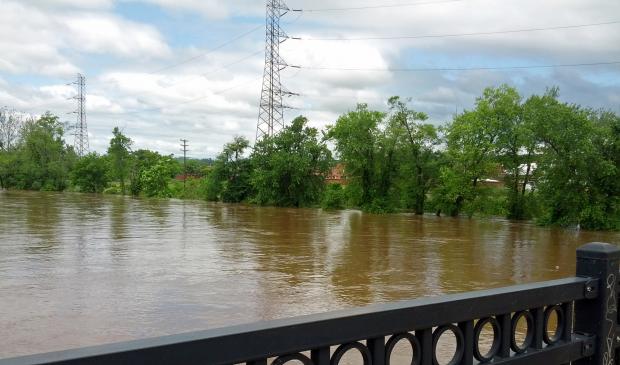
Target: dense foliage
{"points": [[522, 158], [289, 169]]}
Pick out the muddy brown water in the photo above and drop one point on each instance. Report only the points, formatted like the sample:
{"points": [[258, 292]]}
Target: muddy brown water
{"points": [[79, 270]]}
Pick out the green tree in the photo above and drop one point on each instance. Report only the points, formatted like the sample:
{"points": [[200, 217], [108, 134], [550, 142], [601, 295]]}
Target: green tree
{"points": [[419, 168], [229, 180], [333, 197], [141, 160], [43, 158], [154, 180], [515, 146], [576, 172], [119, 154], [8, 167], [473, 140], [355, 135], [90, 173], [289, 168]]}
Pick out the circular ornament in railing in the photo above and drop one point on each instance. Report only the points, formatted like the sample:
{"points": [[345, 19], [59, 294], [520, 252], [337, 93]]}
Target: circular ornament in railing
{"points": [[460, 340], [416, 349], [343, 349], [480, 325], [560, 323], [520, 348], [293, 357]]}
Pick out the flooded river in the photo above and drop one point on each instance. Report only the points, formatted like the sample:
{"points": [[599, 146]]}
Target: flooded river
{"points": [[78, 270]]}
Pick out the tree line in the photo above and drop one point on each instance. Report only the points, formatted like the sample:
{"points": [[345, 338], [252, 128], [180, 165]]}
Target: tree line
{"points": [[522, 158]]}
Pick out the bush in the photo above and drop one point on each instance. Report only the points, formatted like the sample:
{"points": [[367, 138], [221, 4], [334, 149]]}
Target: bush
{"points": [[333, 197], [194, 189], [89, 174]]}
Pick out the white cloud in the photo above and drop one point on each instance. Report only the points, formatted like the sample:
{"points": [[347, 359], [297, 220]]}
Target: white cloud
{"points": [[47, 41], [104, 34], [211, 9], [208, 104], [85, 4]]}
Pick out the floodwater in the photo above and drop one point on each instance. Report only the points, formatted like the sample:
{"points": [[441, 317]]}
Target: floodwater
{"points": [[79, 270]]}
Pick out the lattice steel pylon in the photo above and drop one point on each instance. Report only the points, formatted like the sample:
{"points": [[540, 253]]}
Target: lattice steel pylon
{"points": [[271, 110], [81, 129]]}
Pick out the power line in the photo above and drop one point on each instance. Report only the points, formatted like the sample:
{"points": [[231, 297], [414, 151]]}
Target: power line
{"points": [[378, 6], [221, 68], [222, 45], [459, 68], [460, 34]]}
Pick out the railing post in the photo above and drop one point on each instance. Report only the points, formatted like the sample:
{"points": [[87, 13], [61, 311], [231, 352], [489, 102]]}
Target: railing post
{"points": [[598, 316]]}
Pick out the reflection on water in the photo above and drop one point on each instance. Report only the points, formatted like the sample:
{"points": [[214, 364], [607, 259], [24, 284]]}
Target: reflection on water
{"points": [[79, 270]]}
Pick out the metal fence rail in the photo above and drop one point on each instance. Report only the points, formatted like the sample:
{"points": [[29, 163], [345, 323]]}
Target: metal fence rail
{"points": [[584, 306]]}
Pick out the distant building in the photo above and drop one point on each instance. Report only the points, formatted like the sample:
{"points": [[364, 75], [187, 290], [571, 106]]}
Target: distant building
{"points": [[337, 175]]}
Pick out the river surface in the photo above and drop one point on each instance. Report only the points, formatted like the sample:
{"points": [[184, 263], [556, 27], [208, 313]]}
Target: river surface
{"points": [[79, 270]]}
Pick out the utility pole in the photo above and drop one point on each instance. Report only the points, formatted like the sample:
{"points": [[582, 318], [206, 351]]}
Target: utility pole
{"points": [[271, 110], [184, 149], [81, 129]]}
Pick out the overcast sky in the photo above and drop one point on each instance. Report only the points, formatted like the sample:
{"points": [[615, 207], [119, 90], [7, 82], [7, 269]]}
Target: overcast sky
{"points": [[125, 49]]}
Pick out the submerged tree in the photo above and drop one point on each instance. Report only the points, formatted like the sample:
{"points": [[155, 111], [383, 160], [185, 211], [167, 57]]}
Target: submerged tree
{"points": [[289, 168], [44, 160], [474, 140], [578, 171], [229, 180], [90, 173], [355, 135], [119, 153], [419, 167]]}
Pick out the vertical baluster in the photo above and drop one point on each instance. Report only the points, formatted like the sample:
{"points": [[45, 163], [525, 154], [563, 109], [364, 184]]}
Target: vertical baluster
{"points": [[505, 333], [468, 336], [568, 312], [539, 327], [320, 356], [426, 342], [377, 350]]}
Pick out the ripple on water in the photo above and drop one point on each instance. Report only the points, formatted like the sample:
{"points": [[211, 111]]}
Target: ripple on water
{"points": [[78, 270]]}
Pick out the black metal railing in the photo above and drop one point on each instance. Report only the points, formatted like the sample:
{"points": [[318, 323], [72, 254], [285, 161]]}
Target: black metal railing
{"points": [[583, 309]]}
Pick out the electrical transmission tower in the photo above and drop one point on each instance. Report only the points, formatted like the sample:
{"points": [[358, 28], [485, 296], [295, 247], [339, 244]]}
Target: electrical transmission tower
{"points": [[271, 111], [81, 130]]}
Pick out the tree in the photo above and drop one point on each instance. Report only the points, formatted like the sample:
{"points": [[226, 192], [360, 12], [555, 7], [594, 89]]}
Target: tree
{"points": [[289, 169], [356, 137], [44, 160], [141, 160], [473, 140], [419, 167], [10, 127], [577, 171], [90, 173], [229, 179], [515, 146], [154, 179], [119, 154]]}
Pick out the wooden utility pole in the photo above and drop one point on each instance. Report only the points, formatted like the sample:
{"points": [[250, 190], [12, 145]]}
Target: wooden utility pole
{"points": [[184, 149]]}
